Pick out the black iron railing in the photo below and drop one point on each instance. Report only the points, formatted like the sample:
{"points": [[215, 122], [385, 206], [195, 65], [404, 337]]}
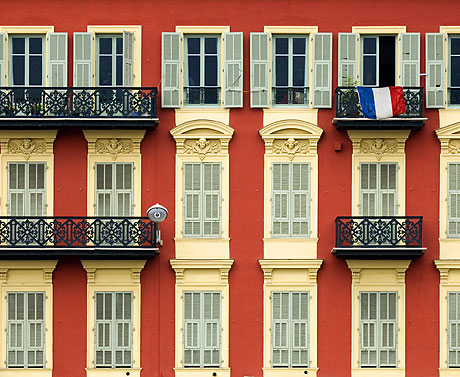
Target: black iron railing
{"points": [[347, 104], [290, 96], [205, 95], [378, 232], [72, 102], [77, 232]]}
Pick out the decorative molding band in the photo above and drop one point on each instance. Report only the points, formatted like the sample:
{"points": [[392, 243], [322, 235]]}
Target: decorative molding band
{"points": [[356, 267], [181, 265], [46, 266], [310, 265], [93, 266], [378, 147], [27, 143], [202, 147], [290, 147], [114, 147], [114, 142], [27, 147], [445, 266], [378, 143]]}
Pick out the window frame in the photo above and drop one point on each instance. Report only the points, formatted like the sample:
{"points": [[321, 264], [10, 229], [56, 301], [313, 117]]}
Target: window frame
{"points": [[377, 54], [114, 56]]}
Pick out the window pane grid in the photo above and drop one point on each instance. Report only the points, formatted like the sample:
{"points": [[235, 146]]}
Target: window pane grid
{"points": [[27, 60]]}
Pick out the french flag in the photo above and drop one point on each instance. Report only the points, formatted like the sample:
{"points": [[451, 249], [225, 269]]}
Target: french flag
{"points": [[381, 103]]}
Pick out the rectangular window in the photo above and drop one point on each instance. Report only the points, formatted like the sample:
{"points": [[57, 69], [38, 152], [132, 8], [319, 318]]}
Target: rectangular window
{"points": [[453, 200], [202, 70], [26, 188], [202, 199], [114, 189], [113, 329], [378, 189], [27, 60], [454, 70], [290, 71], [453, 329], [290, 329], [109, 61], [290, 199], [378, 60], [25, 330], [202, 329], [378, 329]]}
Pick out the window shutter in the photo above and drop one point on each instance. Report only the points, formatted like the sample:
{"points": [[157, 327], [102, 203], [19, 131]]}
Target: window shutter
{"points": [[281, 188], [435, 70], [123, 329], [368, 189], [17, 189], [260, 81], [388, 328], [233, 68], [453, 329], [104, 190], [348, 59], [170, 70], [388, 193], [300, 200], [103, 324], [3, 42], [83, 59], [123, 189], [368, 329], [191, 329], [211, 199], [212, 327], [36, 195], [57, 60], [322, 70], [299, 329], [16, 329], [279, 330], [453, 200], [128, 57], [192, 199], [410, 59], [35, 329]]}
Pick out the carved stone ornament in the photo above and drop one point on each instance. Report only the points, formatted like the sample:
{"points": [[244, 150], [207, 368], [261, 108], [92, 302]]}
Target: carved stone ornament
{"points": [[379, 147], [114, 146], [291, 147], [453, 147], [202, 147], [27, 147]]}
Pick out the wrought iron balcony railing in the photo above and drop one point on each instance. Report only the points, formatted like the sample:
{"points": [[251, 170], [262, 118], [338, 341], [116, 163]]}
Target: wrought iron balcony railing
{"points": [[73, 102], [290, 96], [205, 95], [347, 104]]}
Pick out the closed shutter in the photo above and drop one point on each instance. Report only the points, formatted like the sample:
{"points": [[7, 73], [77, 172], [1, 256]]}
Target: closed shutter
{"points": [[170, 70], [368, 329], [368, 189], [103, 330], [299, 329], [57, 60], [300, 200], [348, 59], [83, 59], [453, 200], [435, 70], [123, 329], [104, 190], [192, 199], [123, 189], [388, 193], [410, 59], [17, 189], [128, 56], [36, 189], [211, 328], [16, 330], [211, 199], [280, 329], [35, 329], [260, 82], [3, 40], [453, 329], [191, 329], [233, 69], [280, 199], [322, 70], [388, 329]]}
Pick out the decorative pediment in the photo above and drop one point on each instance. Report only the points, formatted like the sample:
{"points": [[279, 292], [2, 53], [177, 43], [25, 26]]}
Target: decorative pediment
{"points": [[202, 137], [114, 142], [291, 137], [27, 143], [378, 143], [449, 137]]}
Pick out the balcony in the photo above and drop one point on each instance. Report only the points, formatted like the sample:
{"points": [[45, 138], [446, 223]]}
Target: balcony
{"points": [[204, 95], [349, 114], [378, 237], [290, 95], [103, 106], [42, 237]]}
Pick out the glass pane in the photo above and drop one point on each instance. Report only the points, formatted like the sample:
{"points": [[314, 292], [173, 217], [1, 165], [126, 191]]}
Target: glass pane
{"points": [[35, 45], [281, 45], [210, 69], [19, 45], [193, 71], [370, 45], [119, 46], [19, 72], [105, 45], [298, 45], [369, 70], [455, 71], [281, 71], [455, 46], [298, 71], [193, 45], [210, 45], [35, 70], [105, 70], [119, 70]]}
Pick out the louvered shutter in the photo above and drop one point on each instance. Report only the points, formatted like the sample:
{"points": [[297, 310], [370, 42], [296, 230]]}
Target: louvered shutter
{"points": [[322, 70], [280, 329], [233, 69], [192, 199], [57, 60], [16, 329], [3, 41], [192, 329], [17, 189], [128, 55], [368, 189], [123, 189], [170, 70], [260, 81], [281, 192], [388, 329], [104, 190], [123, 329], [211, 328], [211, 199], [368, 329], [83, 59], [299, 329], [388, 193], [36, 195], [435, 70], [410, 59], [453, 200], [35, 329], [300, 200], [453, 329], [103, 302], [348, 59]]}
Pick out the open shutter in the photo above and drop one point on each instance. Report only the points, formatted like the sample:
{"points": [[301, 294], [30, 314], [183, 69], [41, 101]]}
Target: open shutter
{"points": [[260, 81], [57, 60], [35, 329], [192, 200], [281, 187], [322, 70], [300, 200], [123, 192], [388, 329], [191, 329], [233, 69], [368, 189], [104, 190], [211, 199], [16, 189], [435, 70], [3, 41], [82, 59], [280, 329], [128, 47], [368, 329], [170, 70], [453, 200], [123, 326], [212, 327], [36, 195], [348, 59], [103, 329], [16, 329], [388, 194], [299, 329], [410, 59], [453, 329]]}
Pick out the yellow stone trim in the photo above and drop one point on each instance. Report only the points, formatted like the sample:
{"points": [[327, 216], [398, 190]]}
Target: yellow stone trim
{"points": [[186, 115], [279, 114], [378, 276], [113, 276], [28, 276], [137, 46], [201, 372]]}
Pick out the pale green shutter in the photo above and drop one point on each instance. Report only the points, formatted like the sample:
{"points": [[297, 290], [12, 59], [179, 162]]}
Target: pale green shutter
{"points": [[348, 59], [104, 190], [281, 189], [388, 329], [388, 189], [280, 329], [123, 189], [83, 59], [3, 39], [368, 329], [453, 200], [368, 189], [16, 330], [322, 70], [17, 189], [453, 329], [103, 305], [435, 70], [36, 194], [299, 329], [211, 329], [300, 200], [192, 199], [211, 198], [170, 70], [128, 56], [57, 59], [233, 69], [410, 59], [260, 82], [191, 329], [123, 329], [35, 315]]}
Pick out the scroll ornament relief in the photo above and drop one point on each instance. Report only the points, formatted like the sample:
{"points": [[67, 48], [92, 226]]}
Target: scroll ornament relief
{"points": [[453, 147], [379, 147], [114, 146], [291, 147], [26, 147], [202, 147]]}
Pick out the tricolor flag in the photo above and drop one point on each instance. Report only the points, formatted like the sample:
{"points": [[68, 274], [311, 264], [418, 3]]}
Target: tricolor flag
{"points": [[381, 103]]}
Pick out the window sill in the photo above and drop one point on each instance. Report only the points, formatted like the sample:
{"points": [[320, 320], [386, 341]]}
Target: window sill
{"points": [[290, 248], [283, 112], [378, 372], [190, 113], [448, 248], [202, 248], [289, 372], [102, 372], [448, 372], [25, 372]]}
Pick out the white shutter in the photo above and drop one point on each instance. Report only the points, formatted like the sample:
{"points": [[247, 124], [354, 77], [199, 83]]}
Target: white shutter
{"points": [[104, 190], [170, 70], [35, 329], [191, 329], [435, 70], [410, 59], [299, 329], [57, 59], [128, 57], [368, 329], [322, 70], [280, 329], [368, 194], [3, 42], [211, 328], [211, 199], [260, 81], [103, 303], [453, 200], [123, 189], [388, 329], [348, 59], [192, 200], [123, 329], [36, 194], [83, 59], [387, 189], [17, 189], [233, 69], [300, 200], [453, 329], [16, 329], [281, 192]]}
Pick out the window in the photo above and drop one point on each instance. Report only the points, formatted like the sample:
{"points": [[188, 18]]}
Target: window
{"points": [[25, 329], [379, 60], [290, 329], [202, 199], [454, 69], [109, 63], [291, 199], [27, 60], [378, 329], [453, 329], [202, 327], [453, 200]]}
